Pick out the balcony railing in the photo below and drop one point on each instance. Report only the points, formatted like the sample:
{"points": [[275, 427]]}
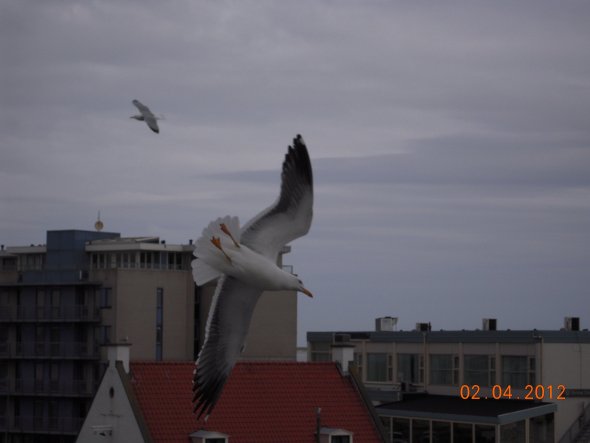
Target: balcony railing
{"points": [[57, 350], [49, 313], [41, 425], [58, 388]]}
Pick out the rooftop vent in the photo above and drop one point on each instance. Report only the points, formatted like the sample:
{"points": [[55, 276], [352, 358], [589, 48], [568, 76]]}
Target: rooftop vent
{"points": [[489, 324], [385, 324], [423, 327], [572, 323]]}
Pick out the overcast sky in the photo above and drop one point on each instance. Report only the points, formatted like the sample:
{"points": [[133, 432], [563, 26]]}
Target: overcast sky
{"points": [[450, 142]]}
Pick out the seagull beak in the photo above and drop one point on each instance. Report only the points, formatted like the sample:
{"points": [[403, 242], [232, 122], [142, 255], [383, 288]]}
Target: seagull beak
{"points": [[306, 292]]}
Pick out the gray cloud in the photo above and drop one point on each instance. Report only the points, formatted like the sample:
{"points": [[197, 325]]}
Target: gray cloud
{"points": [[449, 142]]}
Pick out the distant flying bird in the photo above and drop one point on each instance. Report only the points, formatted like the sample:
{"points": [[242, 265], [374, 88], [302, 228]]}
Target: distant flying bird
{"points": [[246, 262], [147, 116]]}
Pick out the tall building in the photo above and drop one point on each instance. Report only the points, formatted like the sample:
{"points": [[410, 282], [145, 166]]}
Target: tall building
{"points": [[61, 301], [488, 384]]}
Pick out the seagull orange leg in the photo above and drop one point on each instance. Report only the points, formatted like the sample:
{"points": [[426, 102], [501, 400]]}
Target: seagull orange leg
{"points": [[217, 243], [224, 228]]}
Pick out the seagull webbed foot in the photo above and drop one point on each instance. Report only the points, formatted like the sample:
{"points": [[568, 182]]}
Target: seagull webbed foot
{"points": [[217, 243], [224, 228]]}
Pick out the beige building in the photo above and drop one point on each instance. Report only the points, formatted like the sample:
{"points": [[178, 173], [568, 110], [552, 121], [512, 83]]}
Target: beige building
{"points": [[549, 369], [60, 301], [148, 284]]}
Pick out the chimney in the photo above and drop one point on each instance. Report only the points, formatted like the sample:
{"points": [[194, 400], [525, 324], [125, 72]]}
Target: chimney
{"points": [[118, 352], [343, 354]]}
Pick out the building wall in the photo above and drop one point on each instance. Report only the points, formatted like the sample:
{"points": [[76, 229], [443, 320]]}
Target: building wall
{"points": [[567, 364], [132, 315], [273, 333]]}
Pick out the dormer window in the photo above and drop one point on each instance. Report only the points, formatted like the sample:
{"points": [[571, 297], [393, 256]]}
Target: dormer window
{"points": [[203, 436], [332, 435]]}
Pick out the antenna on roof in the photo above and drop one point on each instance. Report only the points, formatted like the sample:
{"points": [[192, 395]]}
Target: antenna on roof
{"points": [[98, 225]]}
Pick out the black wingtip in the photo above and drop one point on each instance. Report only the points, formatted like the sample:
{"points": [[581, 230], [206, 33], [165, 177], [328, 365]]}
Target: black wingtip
{"points": [[298, 140]]}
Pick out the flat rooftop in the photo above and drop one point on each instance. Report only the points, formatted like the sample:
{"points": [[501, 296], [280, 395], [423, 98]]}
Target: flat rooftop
{"points": [[463, 336], [452, 408]]}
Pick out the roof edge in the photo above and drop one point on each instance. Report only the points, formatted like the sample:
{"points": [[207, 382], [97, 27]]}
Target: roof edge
{"points": [[360, 388], [141, 422]]}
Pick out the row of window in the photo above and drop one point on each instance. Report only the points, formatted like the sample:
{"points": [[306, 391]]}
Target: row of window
{"points": [[444, 369], [141, 260], [25, 262], [540, 429]]}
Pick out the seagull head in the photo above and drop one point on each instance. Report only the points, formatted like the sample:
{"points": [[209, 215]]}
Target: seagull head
{"points": [[299, 287]]}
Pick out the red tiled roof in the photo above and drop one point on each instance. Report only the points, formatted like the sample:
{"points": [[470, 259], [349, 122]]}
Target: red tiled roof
{"points": [[261, 402]]}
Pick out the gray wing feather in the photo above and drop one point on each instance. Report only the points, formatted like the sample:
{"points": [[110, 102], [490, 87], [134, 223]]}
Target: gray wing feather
{"points": [[148, 116], [290, 216], [227, 327], [143, 109]]}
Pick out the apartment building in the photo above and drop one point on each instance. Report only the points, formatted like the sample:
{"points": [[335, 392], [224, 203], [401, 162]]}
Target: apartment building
{"points": [[61, 301], [544, 374]]}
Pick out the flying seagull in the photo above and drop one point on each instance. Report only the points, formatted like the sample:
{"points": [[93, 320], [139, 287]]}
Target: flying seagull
{"points": [[147, 116], [245, 260]]}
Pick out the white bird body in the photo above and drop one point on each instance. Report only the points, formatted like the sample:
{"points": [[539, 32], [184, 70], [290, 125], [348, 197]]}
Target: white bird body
{"points": [[245, 263], [241, 262]]}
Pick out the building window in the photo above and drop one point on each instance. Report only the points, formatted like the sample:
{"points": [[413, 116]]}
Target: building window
{"points": [[378, 367], [513, 432], [518, 371], [444, 369], [104, 334], [39, 376], [159, 322], [463, 432], [105, 297], [486, 433], [479, 370], [55, 341], [320, 351], [358, 360], [54, 377], [441, 431], [420, 430], [410, 368], [55, 301], [400, 428]]}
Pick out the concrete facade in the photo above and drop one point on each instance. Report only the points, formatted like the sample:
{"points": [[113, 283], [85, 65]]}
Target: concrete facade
{"points": [[555, 365]]}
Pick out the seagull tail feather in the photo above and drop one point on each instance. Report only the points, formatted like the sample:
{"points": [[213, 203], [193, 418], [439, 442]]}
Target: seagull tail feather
{"points": [[203, 273], [210, 262]]}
